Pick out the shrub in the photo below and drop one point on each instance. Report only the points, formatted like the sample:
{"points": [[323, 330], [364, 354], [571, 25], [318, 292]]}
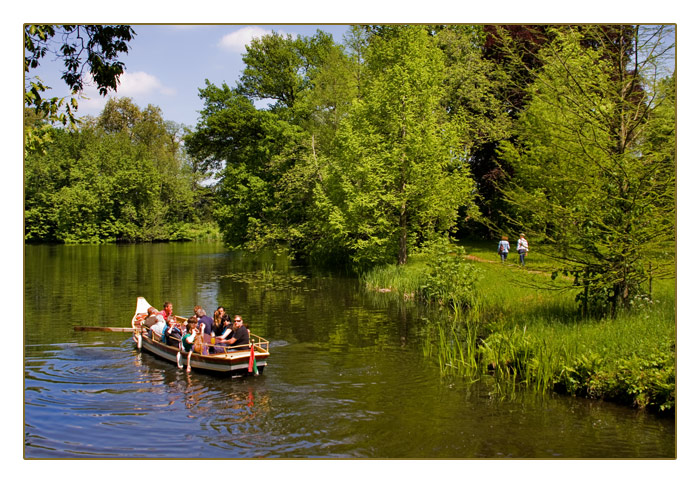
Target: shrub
{"points": [[449, 280]]}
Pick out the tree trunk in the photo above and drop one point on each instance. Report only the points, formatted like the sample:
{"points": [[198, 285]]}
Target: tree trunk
{"points": [[403, 235]]}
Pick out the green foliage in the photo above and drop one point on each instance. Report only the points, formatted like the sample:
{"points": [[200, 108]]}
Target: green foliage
{"points": [[439, 275], [405, 281], [594, 162], [450, 280], [281, 68], [643, 381], [398, 175], [473, 86], [127, 183], [96, 47], [263, 196]]}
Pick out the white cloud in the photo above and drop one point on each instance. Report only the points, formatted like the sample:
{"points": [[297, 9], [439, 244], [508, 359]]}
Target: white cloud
{"points": [[141, 83], [138, 85], [237, 40]]}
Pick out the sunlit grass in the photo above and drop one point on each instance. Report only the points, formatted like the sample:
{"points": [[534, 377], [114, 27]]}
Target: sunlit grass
{"points": [[404, 281], [529, 330]]}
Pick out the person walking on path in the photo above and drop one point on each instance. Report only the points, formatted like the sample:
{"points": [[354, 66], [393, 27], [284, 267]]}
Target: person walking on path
{"points": [[503, 248], [523, 248]]}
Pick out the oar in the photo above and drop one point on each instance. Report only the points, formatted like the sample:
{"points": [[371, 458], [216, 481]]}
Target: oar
{"points": [[79, 328]]}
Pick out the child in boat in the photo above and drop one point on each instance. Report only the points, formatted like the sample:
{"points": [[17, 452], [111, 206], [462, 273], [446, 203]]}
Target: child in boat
{"points": [[187, 341], [167, 310], [172, 334]]}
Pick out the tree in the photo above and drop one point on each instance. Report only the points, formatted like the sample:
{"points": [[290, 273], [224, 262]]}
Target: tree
{"points": [[594, 165], [94, 48], [476, 101], [511, 52], [110, 180], [268, 160], [280, 68], [399, 174], [243, 146]]}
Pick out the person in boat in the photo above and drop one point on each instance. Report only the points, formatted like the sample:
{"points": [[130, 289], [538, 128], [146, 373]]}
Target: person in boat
{"points": [[221, 320], [152, 317], [167, 310], [154, 321], [218, 337], [187, 341], [172, 334], [205, 324], [239, 335]]}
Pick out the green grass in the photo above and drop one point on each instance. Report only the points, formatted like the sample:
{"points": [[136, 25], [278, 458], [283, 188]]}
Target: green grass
{"points": [[529, 331], [404, 281]]}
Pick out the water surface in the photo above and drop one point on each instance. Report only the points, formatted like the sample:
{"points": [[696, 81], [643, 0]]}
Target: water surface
{"points": [[346, 379]]}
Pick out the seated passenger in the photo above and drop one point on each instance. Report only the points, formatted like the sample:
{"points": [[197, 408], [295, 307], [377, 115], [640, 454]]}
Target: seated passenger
{"points": [[172, 334], [167, 310], [237, 336], [154, 321], [205, 324], [217, 327], [187, 341]]}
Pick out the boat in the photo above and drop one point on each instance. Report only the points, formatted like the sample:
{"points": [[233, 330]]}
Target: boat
{"points": [[237, 361]]}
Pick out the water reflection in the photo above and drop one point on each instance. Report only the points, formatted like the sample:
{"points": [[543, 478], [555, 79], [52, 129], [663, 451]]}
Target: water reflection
{"points": [[347, 377]]}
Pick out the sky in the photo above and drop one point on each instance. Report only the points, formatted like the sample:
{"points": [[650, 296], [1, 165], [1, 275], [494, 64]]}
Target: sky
{"points": [[167, 65]]}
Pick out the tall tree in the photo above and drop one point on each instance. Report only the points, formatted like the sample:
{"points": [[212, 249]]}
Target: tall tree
{"points": [[268, 160], [399, 175], [594, 166], [250, 151], [280, 68], [511, 51]]}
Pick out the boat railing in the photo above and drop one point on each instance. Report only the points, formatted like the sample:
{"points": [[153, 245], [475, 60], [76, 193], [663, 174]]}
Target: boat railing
{"points": [[260, 343]]}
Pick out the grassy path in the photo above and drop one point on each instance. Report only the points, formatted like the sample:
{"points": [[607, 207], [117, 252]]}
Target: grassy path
{"points": [[474, 258]]}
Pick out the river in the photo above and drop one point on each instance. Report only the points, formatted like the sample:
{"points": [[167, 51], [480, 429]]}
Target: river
{"points": [[346, 378]]}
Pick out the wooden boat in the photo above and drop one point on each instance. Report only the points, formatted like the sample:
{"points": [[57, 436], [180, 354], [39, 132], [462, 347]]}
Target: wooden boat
{"points": [[235, 361]]}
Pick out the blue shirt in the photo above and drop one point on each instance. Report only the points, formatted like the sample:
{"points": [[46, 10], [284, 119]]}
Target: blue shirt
{"points": [[208, 322]]}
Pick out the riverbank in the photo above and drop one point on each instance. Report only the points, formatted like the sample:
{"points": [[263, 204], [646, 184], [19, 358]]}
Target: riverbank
{"points": [[526, 329]]}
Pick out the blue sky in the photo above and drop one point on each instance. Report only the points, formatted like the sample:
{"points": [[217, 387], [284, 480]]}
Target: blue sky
{"points": [[167, 64]]}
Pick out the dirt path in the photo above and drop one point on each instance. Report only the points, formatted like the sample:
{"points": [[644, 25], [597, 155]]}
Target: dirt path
{"points": [[477, 259]]}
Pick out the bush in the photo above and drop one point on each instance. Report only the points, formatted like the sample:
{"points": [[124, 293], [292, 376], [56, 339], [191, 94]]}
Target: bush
{"points": [[449, 280], [647, 381]]}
